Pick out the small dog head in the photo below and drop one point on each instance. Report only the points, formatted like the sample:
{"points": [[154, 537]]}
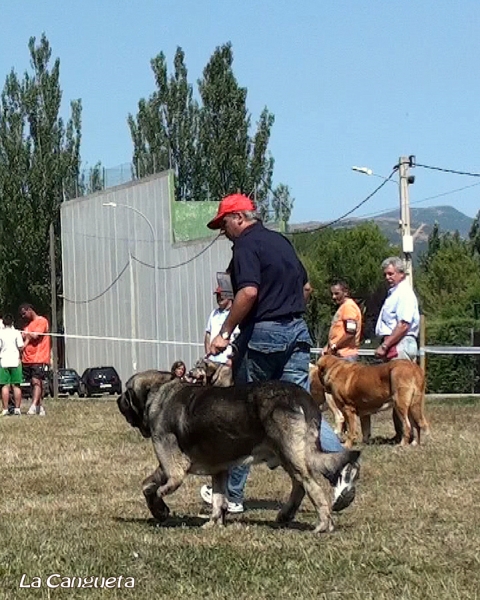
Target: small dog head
{"points": [[208, 372], [133, 402]]}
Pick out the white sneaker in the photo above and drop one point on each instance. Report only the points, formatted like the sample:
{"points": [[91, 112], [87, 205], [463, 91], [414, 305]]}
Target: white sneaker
{"points": [[41, 412], [5, 413], [17, 412], [344, 492], [232, 507], [32, 410]]}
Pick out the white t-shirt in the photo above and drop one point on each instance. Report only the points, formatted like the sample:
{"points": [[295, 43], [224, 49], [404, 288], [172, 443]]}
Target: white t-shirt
{"points": [[11, 342], [215, 321]]}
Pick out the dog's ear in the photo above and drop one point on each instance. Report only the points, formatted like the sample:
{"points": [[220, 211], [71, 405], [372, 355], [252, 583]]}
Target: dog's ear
{"points": [[127, 407]]}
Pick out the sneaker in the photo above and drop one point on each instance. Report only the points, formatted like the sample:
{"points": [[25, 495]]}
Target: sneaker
{"points": [[41, 412], [344, 493], [17, 412], [32, 410], [232, 507], [5, 413]]}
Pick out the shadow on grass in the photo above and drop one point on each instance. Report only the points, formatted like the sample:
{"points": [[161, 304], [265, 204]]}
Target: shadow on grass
{"points": [[172, 522], [195, 522], [382, 440], [261, 504]]}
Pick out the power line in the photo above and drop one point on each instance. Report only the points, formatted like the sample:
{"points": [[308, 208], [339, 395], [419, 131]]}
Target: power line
{"points": [[185, 262], [101, 293], [357, 206], [454, 171], [387, 210]]}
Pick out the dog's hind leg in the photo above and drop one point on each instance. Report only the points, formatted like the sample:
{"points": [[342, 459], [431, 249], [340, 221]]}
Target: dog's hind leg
{"points": [[219, 500], [416, 412], [402, 409], [150, 485], [322, 507], [289, 509]]}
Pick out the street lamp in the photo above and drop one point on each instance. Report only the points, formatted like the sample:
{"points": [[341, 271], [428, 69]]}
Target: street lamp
{"points": [[368, 171], [155, 260], [404, 180]]}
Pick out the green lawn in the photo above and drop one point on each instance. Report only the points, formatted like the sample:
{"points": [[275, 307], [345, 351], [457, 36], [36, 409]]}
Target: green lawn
{"points": [[72, 505]]}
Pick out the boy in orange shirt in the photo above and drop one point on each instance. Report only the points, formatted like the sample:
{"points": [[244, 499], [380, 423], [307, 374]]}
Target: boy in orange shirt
{"points": [[36, 355], [346, 327]]}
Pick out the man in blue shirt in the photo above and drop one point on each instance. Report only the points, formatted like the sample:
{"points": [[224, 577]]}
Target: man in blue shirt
{"points": [[271, 290], [399, 319]]}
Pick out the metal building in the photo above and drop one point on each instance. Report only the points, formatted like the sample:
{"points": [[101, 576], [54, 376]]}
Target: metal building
{"points": [[138, 266]]}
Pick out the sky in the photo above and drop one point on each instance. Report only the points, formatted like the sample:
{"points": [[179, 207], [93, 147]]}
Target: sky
{"points": [[350, 84]]}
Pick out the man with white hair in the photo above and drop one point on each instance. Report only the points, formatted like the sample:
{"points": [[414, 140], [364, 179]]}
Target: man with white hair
{"points": [[399, 321]]}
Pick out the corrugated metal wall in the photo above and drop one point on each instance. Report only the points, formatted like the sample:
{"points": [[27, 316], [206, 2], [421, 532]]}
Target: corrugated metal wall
{"points": [[109, 282]]}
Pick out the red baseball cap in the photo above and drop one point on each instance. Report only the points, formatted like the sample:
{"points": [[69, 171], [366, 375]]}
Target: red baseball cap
{"points": [[231, 204]]}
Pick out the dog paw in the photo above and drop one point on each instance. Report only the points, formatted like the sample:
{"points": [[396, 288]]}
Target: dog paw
{"points": [[285, 517], [210, 524], [325, 526], [158, 509]]}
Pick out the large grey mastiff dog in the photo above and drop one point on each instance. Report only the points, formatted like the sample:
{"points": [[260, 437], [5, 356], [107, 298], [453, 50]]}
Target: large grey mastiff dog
{"points": [[203, 429]]}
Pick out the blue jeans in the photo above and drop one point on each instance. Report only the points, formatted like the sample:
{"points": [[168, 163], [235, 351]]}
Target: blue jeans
{"points": [[275, 350]]}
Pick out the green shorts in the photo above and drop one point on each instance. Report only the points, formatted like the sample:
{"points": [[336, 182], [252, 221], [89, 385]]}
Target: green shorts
{"points": [[11, 375]]}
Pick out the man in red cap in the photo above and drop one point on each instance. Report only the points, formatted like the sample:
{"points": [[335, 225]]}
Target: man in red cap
{"points": [[271, 289]]}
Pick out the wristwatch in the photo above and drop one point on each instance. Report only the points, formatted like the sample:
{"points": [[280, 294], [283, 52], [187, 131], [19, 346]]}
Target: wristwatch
{"points": [[225, 335]]}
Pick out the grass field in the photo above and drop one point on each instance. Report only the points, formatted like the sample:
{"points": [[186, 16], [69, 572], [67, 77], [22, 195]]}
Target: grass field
{"points": [[72, 504]]}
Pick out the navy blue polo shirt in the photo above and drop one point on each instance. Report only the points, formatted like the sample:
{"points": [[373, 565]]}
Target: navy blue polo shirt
{"points": [[266, 260]]}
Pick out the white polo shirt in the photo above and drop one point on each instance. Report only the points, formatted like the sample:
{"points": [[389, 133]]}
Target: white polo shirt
{"points": [[401, 304], [215, 321]]}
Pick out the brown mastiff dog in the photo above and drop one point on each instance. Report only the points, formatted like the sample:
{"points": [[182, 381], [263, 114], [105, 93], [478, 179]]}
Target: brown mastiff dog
{"points": [[362, 390]]}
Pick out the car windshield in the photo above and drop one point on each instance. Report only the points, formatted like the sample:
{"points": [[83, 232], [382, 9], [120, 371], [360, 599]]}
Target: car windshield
{"points": [[107, 373], [68, 373]]}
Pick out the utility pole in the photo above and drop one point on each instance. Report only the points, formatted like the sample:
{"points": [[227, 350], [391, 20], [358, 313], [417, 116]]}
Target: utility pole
{"points": [[53, 286], [404, 164]]}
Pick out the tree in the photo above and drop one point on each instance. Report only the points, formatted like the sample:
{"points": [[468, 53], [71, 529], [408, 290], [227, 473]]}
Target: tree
{"points": [[474, 234], [39, 169], [282, 203], [355, 255], [434, 244], [207, 143], [451, 283]]}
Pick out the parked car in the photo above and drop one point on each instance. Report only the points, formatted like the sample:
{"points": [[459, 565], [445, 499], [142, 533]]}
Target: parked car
{"points": [[101, 380], [69, 382]]}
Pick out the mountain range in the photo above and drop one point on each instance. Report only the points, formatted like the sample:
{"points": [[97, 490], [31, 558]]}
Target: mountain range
{"points": [[422, 221]]}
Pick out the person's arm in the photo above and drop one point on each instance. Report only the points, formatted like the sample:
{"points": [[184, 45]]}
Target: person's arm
{"points": [[40, 328], [343, 342], [19, 342], [242, 305], [206, 342], [400, 331]]}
